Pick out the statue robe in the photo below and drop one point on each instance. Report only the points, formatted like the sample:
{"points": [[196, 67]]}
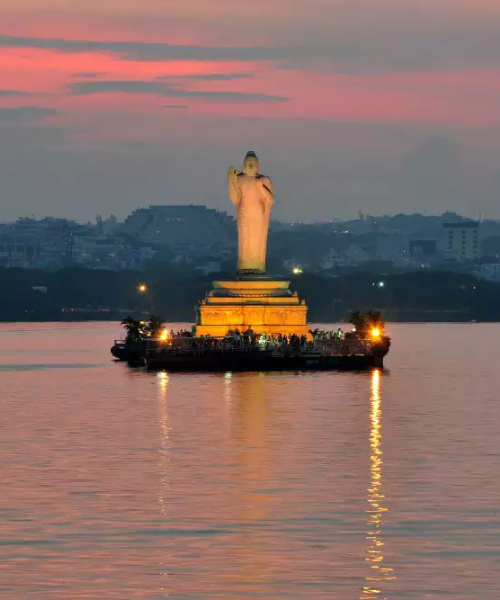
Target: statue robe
{"points": [[253, 198]]}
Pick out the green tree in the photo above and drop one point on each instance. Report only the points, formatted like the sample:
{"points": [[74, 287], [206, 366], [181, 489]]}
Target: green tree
{"points": [[155, 326], [365, 322], [134, 329]]}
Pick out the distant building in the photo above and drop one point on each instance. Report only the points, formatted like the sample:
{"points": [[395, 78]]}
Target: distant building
{"points": [[189, 230], [462, 240], [423, 248], [45, 243], [490, 272]]}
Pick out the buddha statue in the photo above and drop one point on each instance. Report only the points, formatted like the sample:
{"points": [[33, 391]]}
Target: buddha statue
{"points": [[253, 195]]}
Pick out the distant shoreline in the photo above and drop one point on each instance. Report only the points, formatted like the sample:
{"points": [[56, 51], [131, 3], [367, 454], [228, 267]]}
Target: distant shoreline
{"points": [[85, 295]]}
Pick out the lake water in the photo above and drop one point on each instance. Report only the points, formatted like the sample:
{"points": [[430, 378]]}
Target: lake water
{"points": [[116, 483]]}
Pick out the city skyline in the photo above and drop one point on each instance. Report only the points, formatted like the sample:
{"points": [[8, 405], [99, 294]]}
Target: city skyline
{"points": [[372, 107]]}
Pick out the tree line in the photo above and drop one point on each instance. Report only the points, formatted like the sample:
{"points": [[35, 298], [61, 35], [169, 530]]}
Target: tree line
{"points": [[77, 293]]}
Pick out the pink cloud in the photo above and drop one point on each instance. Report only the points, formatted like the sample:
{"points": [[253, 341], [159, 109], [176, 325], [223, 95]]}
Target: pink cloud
{"points": [[453, 97], [458, 96]]}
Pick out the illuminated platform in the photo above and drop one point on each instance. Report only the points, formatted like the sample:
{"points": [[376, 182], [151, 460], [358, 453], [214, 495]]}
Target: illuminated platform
{"points": [[261, 303]]}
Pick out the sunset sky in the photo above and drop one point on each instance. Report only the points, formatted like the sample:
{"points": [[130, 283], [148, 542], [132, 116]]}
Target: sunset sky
{"points": [[383, 106]]}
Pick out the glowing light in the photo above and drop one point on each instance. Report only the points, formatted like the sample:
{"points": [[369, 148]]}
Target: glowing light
{"points": [[381, 284], [375, 333], [142, 288], [163, 335], [297, 271]]}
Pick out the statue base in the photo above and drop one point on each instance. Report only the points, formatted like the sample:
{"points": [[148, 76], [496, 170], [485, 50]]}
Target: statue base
{"points": [[258, 302]]}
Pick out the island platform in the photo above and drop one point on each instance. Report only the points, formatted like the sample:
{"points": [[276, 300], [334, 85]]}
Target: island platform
{"points": [[234, 353], [253, 321]]}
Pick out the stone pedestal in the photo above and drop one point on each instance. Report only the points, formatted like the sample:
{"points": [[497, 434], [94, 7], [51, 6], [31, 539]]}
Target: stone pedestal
{"points": [[261, 303]]}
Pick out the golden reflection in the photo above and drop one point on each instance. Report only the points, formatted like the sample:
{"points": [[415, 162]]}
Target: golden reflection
{"points": [[163, 381], [228, 395], [379, 573], [251, 421], [228, 378], [164, 466]]}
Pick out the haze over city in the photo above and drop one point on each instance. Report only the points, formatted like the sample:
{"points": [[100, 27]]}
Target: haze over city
{"points": [[383, 107]]}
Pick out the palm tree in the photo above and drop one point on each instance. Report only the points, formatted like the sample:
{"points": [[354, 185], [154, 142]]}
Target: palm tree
{"points": [[134, 330], [155, 326], [365, 322]]}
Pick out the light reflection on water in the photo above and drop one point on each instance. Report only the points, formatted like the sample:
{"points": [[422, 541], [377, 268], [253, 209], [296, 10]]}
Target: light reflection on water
{"points": [[124, 484], [380, 574], [164, 470]]}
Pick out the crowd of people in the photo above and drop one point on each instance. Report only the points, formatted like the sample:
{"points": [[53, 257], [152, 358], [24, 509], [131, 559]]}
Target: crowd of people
{"points": [[182, 333], [339, 334], [250, 340]]}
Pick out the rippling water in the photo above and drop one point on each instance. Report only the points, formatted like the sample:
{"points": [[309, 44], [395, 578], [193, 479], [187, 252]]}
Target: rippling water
{"points": [[120, 484]]}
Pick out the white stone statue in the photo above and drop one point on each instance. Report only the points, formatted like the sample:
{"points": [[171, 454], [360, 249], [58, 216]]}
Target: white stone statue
{"points": [[253, 195]]}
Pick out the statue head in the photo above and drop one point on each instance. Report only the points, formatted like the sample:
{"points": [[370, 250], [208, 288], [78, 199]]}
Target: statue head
{"points": [[251, 164]]}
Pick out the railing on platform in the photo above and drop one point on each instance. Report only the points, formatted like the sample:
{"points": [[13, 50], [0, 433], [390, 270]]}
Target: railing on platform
{"points": [[224, 345], [343, 347]]}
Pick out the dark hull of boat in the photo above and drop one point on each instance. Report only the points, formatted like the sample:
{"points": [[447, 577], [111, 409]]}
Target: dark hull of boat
{"points": [[132, 353], [120, 352], [262, 361]]}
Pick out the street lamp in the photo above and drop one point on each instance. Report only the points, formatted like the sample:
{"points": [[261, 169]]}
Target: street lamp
{"points": [[296, 270], [142, 288]]}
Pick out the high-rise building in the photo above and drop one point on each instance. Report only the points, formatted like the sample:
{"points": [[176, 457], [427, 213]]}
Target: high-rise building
{"points": [[462, 240]]}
